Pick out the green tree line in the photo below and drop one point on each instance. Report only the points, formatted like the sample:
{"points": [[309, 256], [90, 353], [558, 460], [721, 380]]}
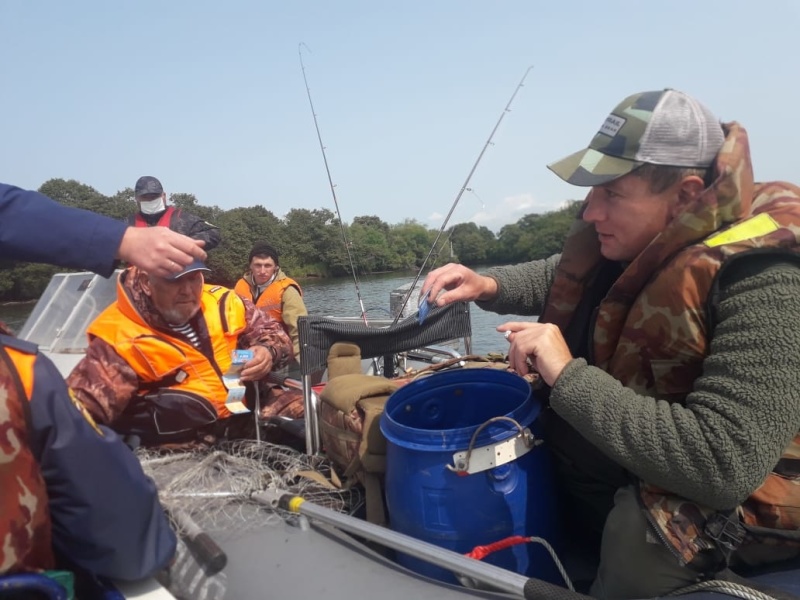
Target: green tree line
{"points": [[311, 242]]}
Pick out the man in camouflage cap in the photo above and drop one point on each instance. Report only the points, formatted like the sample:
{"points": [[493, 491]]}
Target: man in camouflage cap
{"points": [[667, 340]]}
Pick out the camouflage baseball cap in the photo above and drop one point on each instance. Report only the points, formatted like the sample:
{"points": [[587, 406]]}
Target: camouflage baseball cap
{"points": [[665, 127]]}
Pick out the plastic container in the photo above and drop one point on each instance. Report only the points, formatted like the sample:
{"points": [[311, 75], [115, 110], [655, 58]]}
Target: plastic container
{"points": [[428, 421]]}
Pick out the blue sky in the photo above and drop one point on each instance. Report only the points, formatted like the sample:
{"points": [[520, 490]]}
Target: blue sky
{"points": [[209, 95]]}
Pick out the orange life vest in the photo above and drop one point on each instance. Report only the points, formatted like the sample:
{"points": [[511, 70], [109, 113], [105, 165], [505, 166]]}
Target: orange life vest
{"points": [[271, 299], [161, 357], [25, 527]]}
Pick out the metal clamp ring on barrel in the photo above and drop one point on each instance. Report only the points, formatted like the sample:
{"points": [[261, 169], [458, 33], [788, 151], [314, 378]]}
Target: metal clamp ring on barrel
{"points": [[461, 460]]}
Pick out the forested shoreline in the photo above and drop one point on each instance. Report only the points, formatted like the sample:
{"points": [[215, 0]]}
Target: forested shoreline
{"points": [[310, 241]]}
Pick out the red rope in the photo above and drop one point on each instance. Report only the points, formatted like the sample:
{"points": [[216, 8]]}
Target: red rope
{"points": [[480, 552]]}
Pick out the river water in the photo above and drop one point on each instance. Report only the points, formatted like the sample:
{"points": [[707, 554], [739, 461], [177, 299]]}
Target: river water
{"points": [[337, 297]]}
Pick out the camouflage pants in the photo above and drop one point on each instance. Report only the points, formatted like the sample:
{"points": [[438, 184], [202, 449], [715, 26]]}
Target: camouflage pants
{"points": [[633, 563], [603, 515]]}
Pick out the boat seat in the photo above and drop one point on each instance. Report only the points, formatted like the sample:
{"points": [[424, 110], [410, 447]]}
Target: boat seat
{"points": [[317, 335]]}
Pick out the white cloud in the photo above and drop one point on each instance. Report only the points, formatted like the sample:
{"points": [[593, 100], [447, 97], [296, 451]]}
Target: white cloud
{"points": [[510, 210]]}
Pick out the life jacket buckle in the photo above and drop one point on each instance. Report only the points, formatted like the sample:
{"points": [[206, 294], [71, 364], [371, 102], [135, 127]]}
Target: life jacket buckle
{"points": [[726, 531]]}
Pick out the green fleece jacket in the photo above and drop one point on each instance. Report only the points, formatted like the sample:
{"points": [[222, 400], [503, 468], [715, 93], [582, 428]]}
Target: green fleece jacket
{"points": [[745, 407]]}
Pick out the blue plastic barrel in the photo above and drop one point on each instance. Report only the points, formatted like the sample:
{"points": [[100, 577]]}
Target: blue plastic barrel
{"points": [[425, 423]]}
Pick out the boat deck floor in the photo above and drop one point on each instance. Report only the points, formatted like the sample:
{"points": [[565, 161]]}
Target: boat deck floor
{"points": [[284, 560], [287, 561]]}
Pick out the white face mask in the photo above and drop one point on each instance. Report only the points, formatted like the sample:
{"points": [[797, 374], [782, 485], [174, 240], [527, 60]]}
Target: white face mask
{"points": [[152, 207]]}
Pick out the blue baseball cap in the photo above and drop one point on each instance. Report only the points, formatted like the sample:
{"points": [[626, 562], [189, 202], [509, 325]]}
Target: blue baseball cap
{"points": [[196, 265]]}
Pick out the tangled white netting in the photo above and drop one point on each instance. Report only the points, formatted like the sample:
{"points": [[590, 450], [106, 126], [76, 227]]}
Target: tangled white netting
{"points": [[215, 485]]}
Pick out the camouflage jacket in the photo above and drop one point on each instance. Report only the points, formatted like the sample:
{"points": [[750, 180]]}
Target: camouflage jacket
{"points": [[107, 384], [24, 519], [653, 329], [70, 488]]}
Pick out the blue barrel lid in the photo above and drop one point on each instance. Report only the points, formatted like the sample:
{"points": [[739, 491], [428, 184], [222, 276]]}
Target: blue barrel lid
{"points": [[442, 411]]}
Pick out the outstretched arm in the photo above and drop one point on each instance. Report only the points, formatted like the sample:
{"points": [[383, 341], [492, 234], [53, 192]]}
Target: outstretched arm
{"points": [[36, 228], [521, 289], [515, 289]]}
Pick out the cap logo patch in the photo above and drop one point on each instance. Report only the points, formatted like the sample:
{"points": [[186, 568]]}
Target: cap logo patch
{"points": [[612, 125]]}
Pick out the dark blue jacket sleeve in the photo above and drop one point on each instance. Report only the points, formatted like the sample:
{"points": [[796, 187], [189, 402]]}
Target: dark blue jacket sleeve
{"points": [[106, 515], [35, 228]]}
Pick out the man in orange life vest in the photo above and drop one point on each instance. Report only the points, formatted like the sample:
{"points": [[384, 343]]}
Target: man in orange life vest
{"points": [[153, 210], [157, 358], [272, 290]]}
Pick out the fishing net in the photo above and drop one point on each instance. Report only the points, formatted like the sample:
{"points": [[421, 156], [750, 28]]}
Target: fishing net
{"points": [[214, 486]]}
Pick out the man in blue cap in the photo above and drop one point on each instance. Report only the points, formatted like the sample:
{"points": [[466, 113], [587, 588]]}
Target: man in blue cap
{"points": [[153, 210], [159, 359]]}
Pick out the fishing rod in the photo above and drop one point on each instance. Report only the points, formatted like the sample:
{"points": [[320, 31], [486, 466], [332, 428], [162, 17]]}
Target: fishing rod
{"points": [[461, 193], [332, 185], [444, 244]]}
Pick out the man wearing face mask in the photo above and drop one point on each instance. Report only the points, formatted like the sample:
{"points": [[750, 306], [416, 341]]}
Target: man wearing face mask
{"points": [[153, 210]]}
